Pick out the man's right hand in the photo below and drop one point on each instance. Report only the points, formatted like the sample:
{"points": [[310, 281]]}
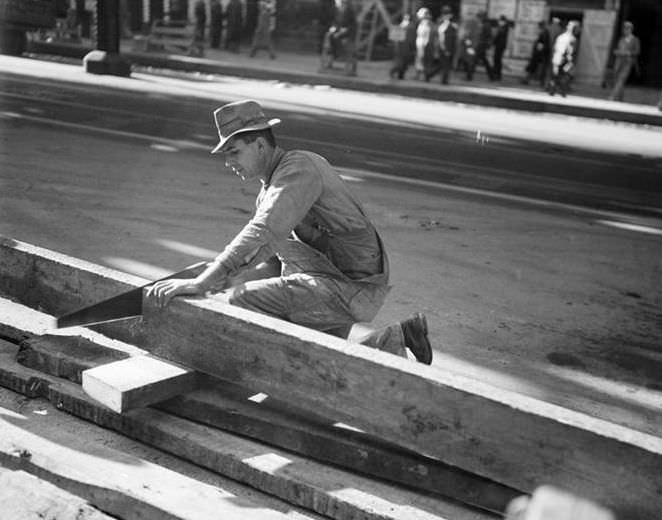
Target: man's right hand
{"points": [[162, 292]]}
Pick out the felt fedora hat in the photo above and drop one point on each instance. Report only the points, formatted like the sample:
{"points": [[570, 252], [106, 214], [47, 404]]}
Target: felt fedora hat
{"points": [[239, 117]]}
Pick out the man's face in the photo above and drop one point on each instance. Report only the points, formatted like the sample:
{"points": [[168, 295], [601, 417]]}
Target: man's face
{"points": [[244, 159]]}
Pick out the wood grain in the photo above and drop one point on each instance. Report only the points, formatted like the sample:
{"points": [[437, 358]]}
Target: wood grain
{"points": [[24, 496], [137, 381], [329, 491], [239, 410], [501, 435]]}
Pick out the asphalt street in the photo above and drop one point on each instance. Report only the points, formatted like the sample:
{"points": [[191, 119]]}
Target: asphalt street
{"points": [[533, 243]]}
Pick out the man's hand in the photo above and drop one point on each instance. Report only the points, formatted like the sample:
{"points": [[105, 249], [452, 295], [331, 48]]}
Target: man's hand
{"points": [[162, 292]]}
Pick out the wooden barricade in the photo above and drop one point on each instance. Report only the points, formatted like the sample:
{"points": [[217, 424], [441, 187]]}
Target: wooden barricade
{"points": [[174, 37], [496, 434]]}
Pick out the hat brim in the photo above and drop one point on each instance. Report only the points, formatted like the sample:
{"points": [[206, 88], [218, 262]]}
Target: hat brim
{"points": [[262, 126]]}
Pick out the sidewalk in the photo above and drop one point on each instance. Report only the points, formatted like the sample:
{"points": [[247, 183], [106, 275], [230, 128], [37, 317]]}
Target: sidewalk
{"points": [[585, 101]]}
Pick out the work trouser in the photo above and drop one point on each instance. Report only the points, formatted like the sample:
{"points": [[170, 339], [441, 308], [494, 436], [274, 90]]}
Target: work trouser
{"points": [[481, 59], [443, 69], [262, 40], [560, 79], [498, 63], [321, 298]]}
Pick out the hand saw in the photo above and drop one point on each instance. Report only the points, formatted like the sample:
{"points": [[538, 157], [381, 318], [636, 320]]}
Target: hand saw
{"points": [[126, 305]]}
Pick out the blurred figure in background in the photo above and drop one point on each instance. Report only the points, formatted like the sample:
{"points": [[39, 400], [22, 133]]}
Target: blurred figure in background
{"points": [[215, 24], [538, 64], [340, 40], [404, 49], [200, 15], [500, 43], [266, 24], [626, 55], [325, 16], [469, 34], [424, 43], [446, 42], [555, 30], [484, 44], [563, 60], [234, 24]]}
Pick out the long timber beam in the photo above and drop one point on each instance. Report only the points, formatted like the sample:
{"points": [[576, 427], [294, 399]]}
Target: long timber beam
{"points": [[510, 438], [240, 411], [331, 492]]}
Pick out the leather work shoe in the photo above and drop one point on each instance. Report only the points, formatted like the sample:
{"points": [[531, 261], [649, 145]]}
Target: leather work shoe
{"points": [[415, 331]]}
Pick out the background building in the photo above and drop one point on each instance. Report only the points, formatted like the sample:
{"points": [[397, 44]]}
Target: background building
{"points": [[299, 23]]}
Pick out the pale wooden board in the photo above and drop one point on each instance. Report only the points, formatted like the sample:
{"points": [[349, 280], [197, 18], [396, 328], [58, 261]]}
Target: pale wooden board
{"points": [[26, 497], [323, 489], [137, 381], [504, 436], [122, 485], [239, 410]]}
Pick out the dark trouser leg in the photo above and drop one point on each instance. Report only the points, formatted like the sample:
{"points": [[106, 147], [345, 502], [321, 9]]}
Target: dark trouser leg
{"points": [[446, 64], [498, 64], [314, 302]]}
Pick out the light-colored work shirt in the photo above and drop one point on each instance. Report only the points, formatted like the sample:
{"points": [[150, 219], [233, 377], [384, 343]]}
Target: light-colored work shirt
{"points": [[304, 201]]}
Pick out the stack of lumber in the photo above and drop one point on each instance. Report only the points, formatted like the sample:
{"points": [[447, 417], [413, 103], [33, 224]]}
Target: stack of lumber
{"points": [[324, 424]]}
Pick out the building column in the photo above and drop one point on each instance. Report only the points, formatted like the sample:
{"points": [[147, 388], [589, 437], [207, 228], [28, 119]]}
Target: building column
{"points": [[106, 58]]}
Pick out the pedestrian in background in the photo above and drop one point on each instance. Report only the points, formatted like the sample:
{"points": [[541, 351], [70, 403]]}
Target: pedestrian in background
{"points": [[469, 35], [326, 14], [538, 64], [500, 44], [266, 24], [626, 55], [200, 16], [309, 254], [404, 48], [446, 42], [555, 30], [342, 37], [563, 60], [234, 25], [424, 43], [215, 24], [484, 44]]}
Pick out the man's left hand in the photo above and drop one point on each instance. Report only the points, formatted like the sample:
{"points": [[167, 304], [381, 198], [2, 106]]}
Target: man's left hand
{"points": [[162, 292]]}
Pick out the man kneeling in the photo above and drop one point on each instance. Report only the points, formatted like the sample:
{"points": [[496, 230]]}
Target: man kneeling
{"points": [[309, 255]]}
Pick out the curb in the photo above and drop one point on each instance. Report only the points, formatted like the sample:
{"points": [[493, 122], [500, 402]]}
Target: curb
{"points": [[450, 94]]}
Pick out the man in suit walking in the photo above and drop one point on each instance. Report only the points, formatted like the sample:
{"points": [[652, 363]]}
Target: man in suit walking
{"points": [[447, 44]]}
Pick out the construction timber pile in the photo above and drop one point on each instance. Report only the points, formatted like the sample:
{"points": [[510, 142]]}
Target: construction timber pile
{"points": [[326, 425]]}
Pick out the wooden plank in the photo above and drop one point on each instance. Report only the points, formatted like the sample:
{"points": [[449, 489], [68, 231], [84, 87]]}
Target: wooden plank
{"points": [[137, 381], [323, 489], [116, 482], [238, 410], [26, 497], [513, 439]]}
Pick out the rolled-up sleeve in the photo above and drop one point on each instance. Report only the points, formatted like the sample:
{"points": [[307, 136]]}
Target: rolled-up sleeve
{"points": [[295, 186]]}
